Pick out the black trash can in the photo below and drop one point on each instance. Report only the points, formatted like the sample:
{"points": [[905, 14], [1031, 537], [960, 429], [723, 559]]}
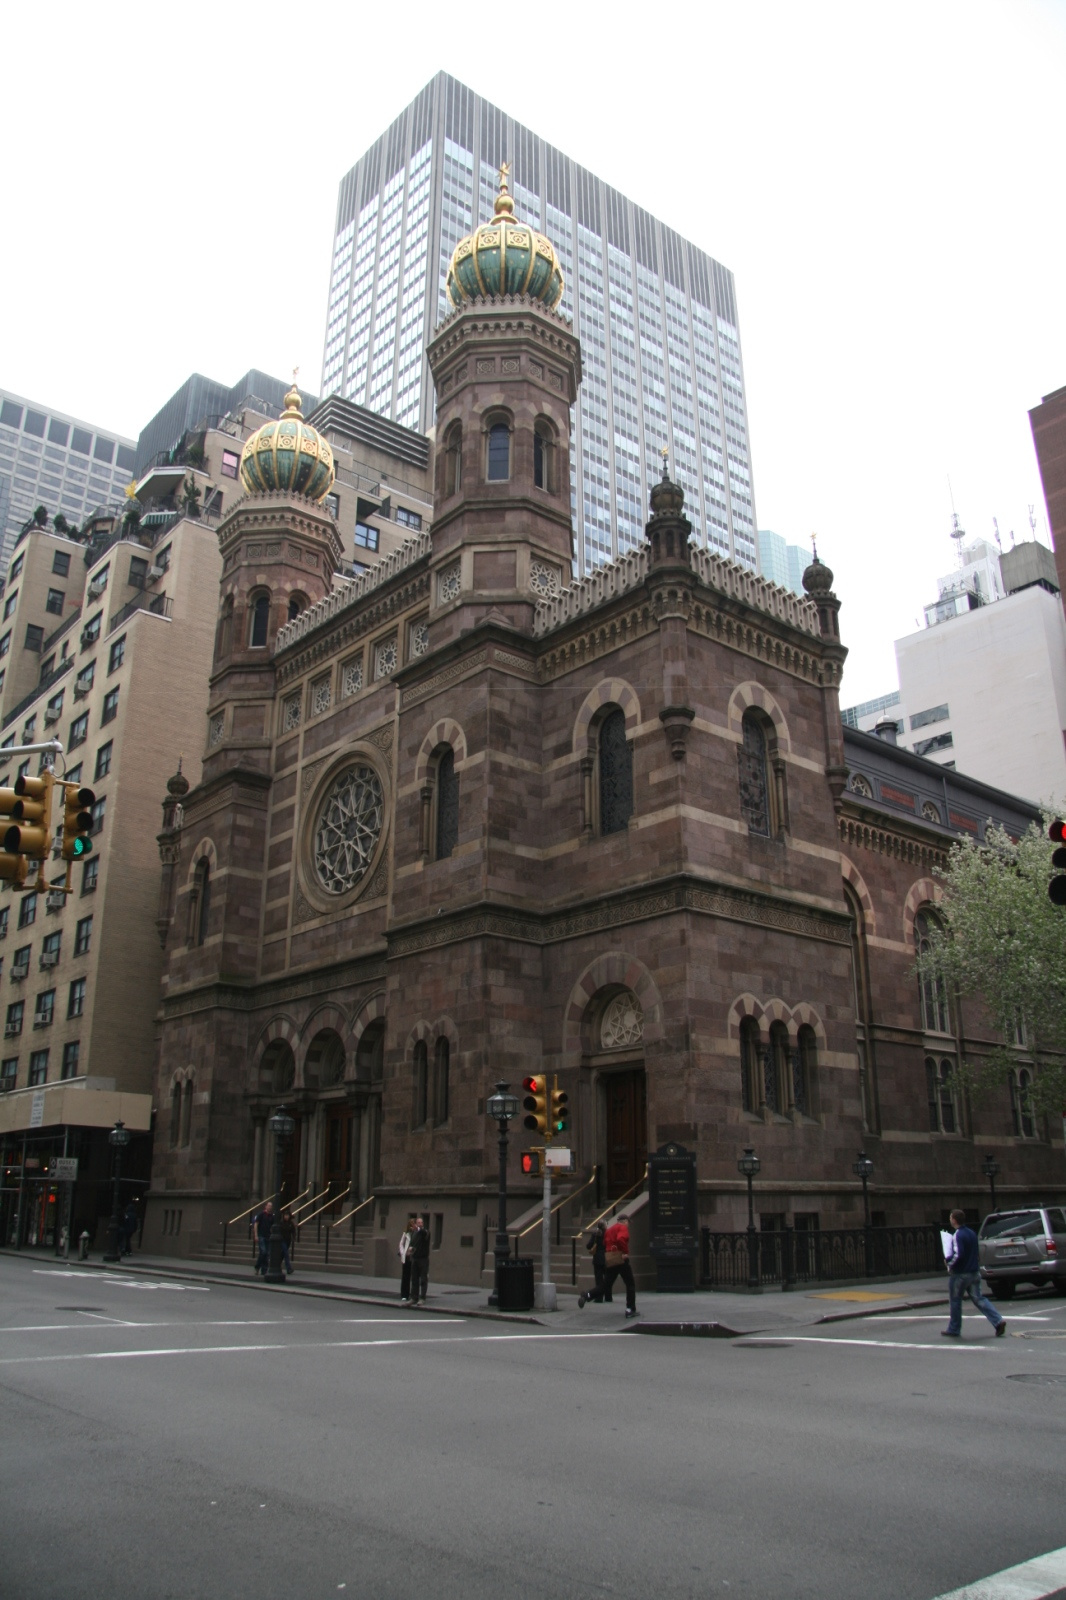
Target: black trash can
{"points": [[516, 1284]]}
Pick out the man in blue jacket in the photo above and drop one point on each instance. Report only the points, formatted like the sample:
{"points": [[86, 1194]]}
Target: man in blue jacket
{"points": [[964, 1278]]}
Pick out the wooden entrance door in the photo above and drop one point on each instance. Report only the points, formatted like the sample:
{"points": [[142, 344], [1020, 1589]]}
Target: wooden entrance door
{"points": [[627, 1130], [290, 1172], [338, 1173]]}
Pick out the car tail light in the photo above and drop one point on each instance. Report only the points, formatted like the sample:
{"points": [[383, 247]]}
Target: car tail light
{"points": [[1052, 1247]]}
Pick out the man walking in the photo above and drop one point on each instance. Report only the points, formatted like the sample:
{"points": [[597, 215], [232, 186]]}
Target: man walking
{"points": [[616, 1256], [964, 1278], [264, 1225], [418, 1254]]}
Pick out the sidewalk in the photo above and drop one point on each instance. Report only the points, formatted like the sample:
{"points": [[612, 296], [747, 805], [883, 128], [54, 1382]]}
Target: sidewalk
{"points": [[711, 1313]]}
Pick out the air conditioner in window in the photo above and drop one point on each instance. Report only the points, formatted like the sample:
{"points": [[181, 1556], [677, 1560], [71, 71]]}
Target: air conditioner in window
{"points": [[49, 958], [97, 587], [82, 687], [18, 973], [88, 636], [155, 573], [55, 900], [50, 716], [11, 1030]]}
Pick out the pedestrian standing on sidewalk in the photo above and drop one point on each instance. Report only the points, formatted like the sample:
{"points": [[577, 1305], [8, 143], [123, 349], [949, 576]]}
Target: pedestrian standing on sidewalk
{"points": [[406, 1262], [594, 1246], [262, 1227], [287, 1229], [964, 1278], [419, 1256], [616, 1254], [130, 1224]]}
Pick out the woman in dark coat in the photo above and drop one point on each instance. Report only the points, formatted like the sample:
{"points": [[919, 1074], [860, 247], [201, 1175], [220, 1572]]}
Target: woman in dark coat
{"points": [[594, 1245]]}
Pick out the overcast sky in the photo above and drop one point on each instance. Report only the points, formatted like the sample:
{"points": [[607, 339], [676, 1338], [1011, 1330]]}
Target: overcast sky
{"points": [[884, 182]]}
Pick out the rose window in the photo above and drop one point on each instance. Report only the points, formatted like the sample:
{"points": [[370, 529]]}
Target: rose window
{"points": [[543, 580], [449, 583], [348, 829], [623, 1022]]}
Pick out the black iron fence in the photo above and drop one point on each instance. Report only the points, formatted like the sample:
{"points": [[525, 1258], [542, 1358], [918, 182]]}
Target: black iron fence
{"points": [[787, 1256]]}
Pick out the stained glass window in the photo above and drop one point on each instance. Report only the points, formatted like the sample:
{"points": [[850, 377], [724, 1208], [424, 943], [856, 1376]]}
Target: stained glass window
{"points": [[447, 805], [616, 774], [754, 789]]}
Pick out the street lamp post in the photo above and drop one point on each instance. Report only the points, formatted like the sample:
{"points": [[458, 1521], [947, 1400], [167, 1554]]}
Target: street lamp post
{"points": [[118, 1139], [502, 1106], [282, 1127], [990, 1168], [748, 1166], [863, 1168]]}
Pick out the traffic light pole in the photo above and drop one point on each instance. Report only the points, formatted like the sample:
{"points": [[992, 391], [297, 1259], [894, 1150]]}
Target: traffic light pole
{"points": [[544, 1296]]}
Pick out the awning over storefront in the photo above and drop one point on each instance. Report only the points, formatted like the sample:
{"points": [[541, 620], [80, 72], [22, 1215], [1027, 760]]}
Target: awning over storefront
{"points": [[73, 1105]]}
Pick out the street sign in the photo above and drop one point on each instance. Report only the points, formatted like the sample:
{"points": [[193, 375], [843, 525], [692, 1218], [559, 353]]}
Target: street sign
{"points": [[63, 1169], [37, 1109]]}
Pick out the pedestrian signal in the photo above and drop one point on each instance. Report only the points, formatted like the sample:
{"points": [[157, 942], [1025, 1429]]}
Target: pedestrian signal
{"points": [[532, 1163], [560, 1120], [536, 1103], [1057, 887], [77, 822]]}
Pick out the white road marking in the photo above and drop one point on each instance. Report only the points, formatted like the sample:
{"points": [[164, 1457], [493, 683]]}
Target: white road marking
{"points": [[122, 1283], [783, 1336], [973, 1316], [245, 1322], [1032, 1580], [330, 1344]]}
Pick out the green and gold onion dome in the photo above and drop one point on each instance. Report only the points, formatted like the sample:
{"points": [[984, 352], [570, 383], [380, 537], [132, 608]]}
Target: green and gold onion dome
{"points": [[288, 456], [504, 256]]}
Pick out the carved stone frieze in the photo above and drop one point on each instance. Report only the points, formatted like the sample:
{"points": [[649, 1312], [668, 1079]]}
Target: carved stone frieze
{"points": [[443, 679]]}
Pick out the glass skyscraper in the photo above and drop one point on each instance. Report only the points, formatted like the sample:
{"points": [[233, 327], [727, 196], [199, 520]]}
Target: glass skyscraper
{"points": [[656, 316], [60, 462]]}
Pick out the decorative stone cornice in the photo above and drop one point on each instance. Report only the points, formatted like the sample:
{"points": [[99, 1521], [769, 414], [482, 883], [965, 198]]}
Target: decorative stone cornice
{"points": [[393, 602], [344, 599], [863, 830], [669, 896]]}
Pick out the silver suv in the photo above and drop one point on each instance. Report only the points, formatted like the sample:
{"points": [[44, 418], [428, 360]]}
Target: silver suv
{"points": [[1023, 1247]]}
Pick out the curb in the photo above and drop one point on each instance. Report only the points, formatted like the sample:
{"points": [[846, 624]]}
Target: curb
{"points": [[691, 1330], [880, 1311]]}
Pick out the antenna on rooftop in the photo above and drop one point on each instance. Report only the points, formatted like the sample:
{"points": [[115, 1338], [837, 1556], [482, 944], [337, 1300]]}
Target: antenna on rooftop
{"points": [[995, 524], [1032, 519], [958, 532]]}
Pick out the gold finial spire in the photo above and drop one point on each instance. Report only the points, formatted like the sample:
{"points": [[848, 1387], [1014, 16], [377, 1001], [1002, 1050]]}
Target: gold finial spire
{"points": [[665, 453], [504, 203], [814, 545], [293, 403]]}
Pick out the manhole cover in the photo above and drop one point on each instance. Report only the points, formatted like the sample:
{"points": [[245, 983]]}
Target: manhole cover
{"points": [[1052, 1379]]}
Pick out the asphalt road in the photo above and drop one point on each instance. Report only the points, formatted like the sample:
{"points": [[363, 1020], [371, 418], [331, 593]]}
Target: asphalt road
{"points": [[172, 1442]]}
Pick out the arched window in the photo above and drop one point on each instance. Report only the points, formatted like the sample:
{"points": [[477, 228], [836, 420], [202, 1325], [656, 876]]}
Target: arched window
{"points": [[932, 990], [202, 891], [370, 1053], [940, 1092], [447, 805], [441, 1086], [778, 1066], [544, 456], [750, 1077], [297, 603], [1021, 1103], [498, 453], [175, 1116], [755, 798], [224, 634], [616, 773], [186, 1114], [805, 1071], [421, 1084], [257, 633], [453, 460]]}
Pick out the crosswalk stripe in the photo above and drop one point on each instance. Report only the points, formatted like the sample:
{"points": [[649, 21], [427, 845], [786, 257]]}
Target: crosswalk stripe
{"points": [[1032, 1580], [329, 1344], [783, 1336]]}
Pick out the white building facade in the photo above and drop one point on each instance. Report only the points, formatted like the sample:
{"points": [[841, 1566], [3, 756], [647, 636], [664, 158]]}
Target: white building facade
{"points": [[655, 315]]}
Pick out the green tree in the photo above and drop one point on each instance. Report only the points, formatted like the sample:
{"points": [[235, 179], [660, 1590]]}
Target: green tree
{"points": [[40, 516], [190, 498], [1002, 942]]}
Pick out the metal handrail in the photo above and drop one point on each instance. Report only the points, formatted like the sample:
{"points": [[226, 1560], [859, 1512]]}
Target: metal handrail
{"points": [[255, 1207], [565, 1201], [614, 1203], [314, 1198], [348, 1215], [334, 1200]]}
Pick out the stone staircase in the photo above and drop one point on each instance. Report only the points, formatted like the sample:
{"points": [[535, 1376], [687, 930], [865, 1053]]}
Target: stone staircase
{"points": [[316, 1249]]}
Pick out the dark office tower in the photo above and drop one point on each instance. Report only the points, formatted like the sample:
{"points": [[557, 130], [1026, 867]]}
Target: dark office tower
{"points": [[656, 316]]}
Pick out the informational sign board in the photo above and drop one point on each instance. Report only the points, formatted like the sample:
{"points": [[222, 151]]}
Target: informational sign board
{"points": [[673, 1222], [64, 1169], [37, 1109], [558, 1159]]}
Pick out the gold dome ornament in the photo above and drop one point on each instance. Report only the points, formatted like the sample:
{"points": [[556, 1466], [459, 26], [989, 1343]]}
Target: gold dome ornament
{"points": [[503, 257], [288, 456]]}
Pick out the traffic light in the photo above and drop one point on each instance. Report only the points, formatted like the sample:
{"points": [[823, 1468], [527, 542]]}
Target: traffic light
{"points": [[30, 832], [532, 1163], [1057, 887], [536, 1103], [77, 821], [12, 866], [560, 1122]]}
